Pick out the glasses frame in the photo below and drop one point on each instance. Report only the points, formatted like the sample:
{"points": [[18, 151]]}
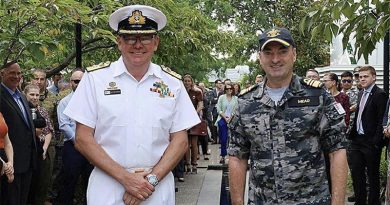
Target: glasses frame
{"points": [[347, 81], [148, 39]]}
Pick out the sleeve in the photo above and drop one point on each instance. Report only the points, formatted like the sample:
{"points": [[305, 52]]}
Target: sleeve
{"points": [[83, 106], [219, 105], [332, 126], [185, 115], [239, 144], [346, 107], [65, 124], [381, 108], [49, 125]]}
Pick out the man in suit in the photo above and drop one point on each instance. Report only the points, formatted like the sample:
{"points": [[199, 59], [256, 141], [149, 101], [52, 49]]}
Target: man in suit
{"points": [[367, 138], [21, 132], [213, 96]]}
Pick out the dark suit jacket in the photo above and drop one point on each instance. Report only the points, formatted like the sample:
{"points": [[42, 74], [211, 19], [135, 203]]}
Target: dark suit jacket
{"points": [[22, 136], [372, 118]]}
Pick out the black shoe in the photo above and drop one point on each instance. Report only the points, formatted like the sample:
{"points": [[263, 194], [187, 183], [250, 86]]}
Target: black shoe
{"points": [[351, 198], [222, 161], [206, 158]]}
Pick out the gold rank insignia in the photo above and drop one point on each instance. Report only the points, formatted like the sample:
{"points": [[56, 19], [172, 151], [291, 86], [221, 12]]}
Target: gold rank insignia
{"points": [[247, 90], [312, 83], [98, 66], [137, 18], [171, 72], [112, 89], [273, 33], [162, 89]]}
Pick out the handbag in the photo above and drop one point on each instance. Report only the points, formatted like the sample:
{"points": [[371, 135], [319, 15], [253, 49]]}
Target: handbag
{"points": [[199, 129]]}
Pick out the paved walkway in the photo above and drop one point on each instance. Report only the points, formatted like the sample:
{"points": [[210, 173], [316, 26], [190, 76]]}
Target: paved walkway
{"points": [[204, 187]]}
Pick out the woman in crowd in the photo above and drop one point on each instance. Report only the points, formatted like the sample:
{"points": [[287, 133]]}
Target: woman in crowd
{"points": [[44, 133], [331, 82], [237, 88], [7, 161], [227, 103], [196, 97]]}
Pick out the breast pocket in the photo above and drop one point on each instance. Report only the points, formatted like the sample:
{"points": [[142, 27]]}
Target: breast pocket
{"points": [[163, 112], [112, 110]]}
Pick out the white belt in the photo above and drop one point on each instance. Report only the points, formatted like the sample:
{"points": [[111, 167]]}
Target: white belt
{"points": [[139, 169]]}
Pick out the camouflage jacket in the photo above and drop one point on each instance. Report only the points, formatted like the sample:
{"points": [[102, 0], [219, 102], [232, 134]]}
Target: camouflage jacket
{"points": [[285, 143]]}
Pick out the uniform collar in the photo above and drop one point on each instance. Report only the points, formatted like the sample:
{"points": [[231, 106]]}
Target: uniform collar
{"points": [[295, 88], [120, 68]]}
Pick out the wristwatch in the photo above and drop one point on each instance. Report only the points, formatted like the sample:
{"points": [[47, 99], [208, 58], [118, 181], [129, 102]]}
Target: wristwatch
{"points": [[152, 179]]}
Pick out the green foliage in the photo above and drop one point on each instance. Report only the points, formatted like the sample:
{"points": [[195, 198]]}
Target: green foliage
{"points": [[366, 22], [250, 17], [40, 33]]}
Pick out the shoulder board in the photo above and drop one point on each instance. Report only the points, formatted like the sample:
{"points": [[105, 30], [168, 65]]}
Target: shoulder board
{"points": [[98, 66], [311, 82], [247, 90], [171, 72]]}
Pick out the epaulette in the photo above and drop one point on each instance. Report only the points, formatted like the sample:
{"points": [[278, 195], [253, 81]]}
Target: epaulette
{"points": [[171, 72], [247, 90], [311, 82], [98, 66]]}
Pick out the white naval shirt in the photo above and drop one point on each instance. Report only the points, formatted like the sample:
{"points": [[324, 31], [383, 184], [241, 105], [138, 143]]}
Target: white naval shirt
{"points": [[132, 123]]}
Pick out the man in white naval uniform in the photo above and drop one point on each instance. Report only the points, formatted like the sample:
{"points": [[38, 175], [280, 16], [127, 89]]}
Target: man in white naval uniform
{"points": [[132, 117]]}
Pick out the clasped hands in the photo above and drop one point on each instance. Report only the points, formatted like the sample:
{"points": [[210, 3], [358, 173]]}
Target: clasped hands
{"points": [[137, 188], [386, 131], [8, 170]]}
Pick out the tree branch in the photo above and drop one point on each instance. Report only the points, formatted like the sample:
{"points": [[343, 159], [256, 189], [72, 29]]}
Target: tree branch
{"points": [[72, 56]]}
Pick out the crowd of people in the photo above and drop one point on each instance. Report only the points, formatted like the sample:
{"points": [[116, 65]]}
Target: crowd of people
{"points": [[122, 128]]}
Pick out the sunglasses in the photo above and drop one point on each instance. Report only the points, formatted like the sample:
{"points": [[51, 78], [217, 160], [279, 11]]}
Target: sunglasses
{"points": [[76, 81], [346, 81], [131, 39], [229, 89]]}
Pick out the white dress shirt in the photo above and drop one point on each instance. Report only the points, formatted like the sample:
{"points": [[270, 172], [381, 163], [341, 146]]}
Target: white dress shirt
{"points": [[132, 123]]}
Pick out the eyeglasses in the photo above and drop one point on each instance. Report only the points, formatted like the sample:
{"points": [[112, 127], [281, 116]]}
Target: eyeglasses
{"points": [[132, 39], [76, 81], [346, 81]]}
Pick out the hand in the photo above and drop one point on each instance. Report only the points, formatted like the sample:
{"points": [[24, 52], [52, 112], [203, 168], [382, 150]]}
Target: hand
{"points": [[9, 168], [9, 171], [44, 153], [137, 186], [38, 132], [352, 108], [386, 131], [128, 199]]}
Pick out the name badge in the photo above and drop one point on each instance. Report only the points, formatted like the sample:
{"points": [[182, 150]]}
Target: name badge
{"points": [[304, 101], [112, 92]]}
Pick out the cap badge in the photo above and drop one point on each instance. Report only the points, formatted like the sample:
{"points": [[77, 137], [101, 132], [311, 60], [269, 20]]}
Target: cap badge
{"points": [[137, 18], [273, 33]]}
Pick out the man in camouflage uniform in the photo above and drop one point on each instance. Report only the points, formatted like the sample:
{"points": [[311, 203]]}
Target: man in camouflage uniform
{"points": [[283, 126]]}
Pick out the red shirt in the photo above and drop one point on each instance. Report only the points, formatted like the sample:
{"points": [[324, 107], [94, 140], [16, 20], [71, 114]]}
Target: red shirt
{"points": [[3, 131], [343, 99]]}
